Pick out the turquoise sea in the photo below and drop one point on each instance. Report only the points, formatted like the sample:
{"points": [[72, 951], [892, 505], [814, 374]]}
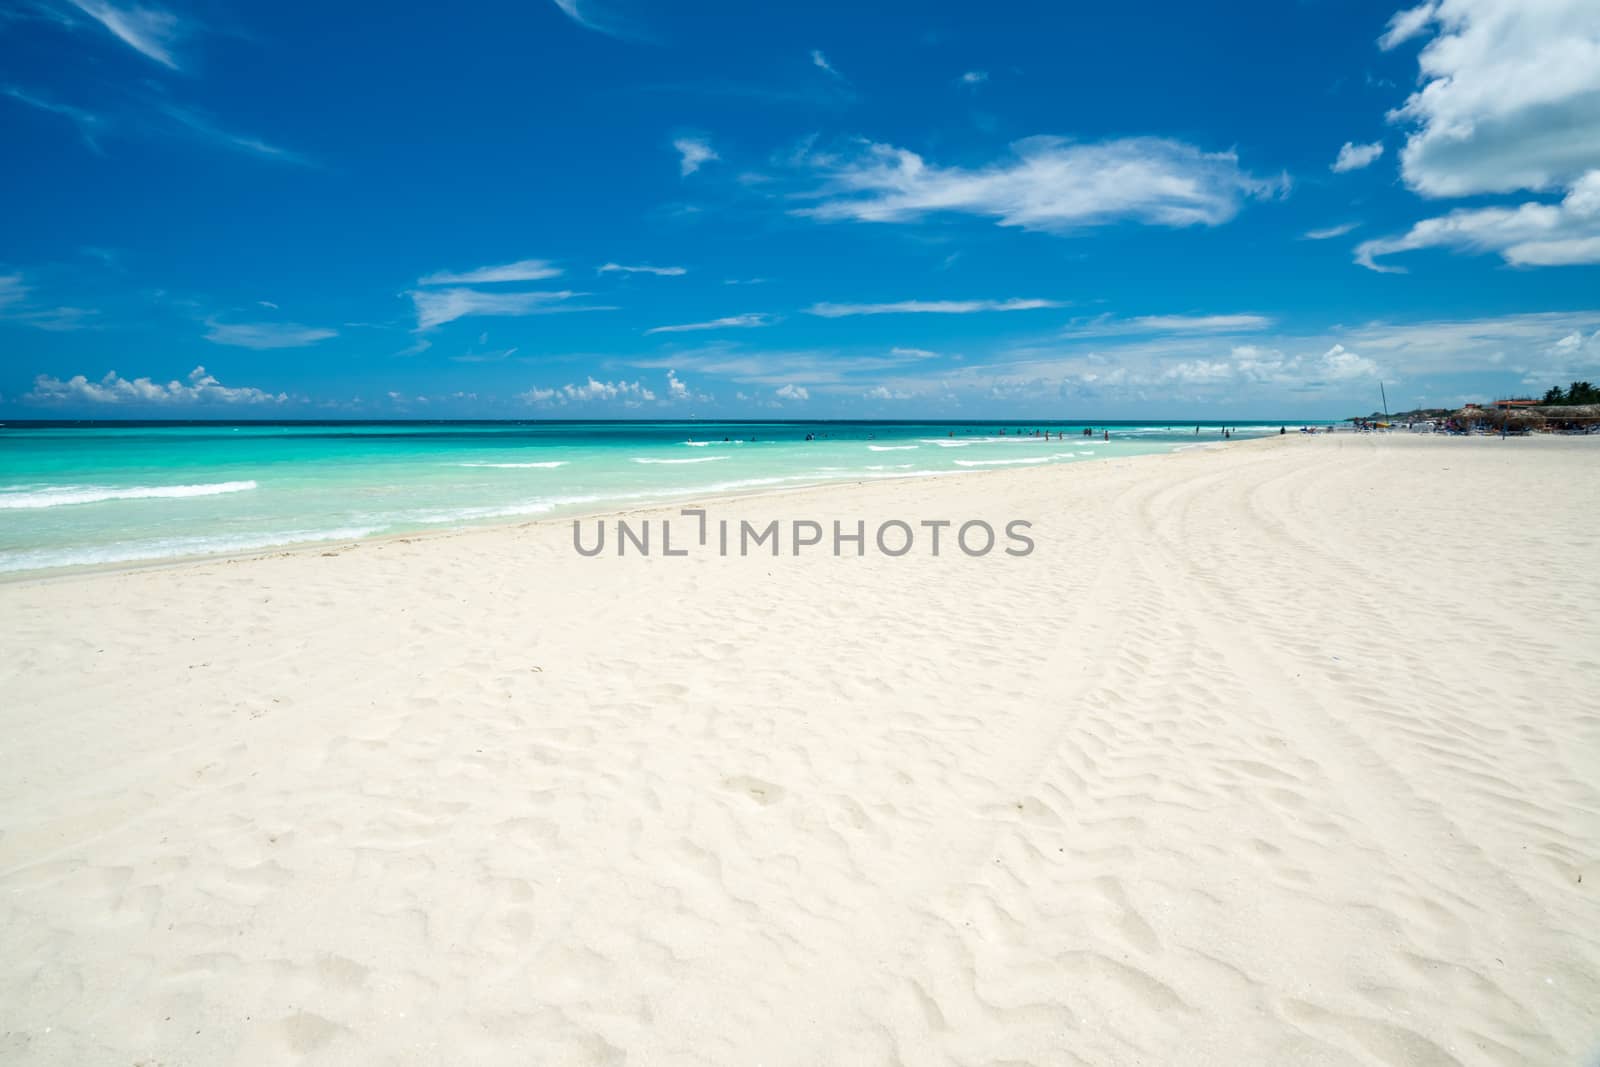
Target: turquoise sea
{"points": [[74, 494]]}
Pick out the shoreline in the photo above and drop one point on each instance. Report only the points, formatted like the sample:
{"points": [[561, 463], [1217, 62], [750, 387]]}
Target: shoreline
{"points": [[340, 545]]}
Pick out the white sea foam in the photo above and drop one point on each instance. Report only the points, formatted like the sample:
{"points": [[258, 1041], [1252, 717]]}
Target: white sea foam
{"points": [[547, 465], [891, 448], [57, 496], [696, 459], [171, 548], [1000, 462]]}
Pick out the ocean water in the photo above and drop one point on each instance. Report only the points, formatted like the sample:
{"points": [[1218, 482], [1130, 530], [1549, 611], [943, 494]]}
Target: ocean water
{"points": [[96, 493]]}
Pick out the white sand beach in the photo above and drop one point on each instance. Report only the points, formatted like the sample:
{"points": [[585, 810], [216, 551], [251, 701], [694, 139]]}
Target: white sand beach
{"points": [[1285, 752]]}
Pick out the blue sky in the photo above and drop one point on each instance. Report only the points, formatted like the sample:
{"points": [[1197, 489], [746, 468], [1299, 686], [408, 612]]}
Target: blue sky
{"points": [[608, 208]]}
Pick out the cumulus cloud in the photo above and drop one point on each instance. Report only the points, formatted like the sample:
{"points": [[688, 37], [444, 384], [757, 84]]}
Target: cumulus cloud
{"points": [[929, 307], [435, 307], [1509, 96], [794, 392], [881, 392], [631, 393], [694, 152], [264, 335], [523, 270], [199, 388], [1508, 100], [1528, 235], [1356, 156], [727, 322], [1047, 183], [974, 77]]}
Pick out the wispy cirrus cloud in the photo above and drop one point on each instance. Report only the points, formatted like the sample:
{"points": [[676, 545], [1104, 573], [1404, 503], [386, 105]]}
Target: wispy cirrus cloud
{"points": [[1048, 184], [747, 320], [1331, 231], [820, 61], [663, 272], [523, 270], [974, 77], [694, 153], [435, 307], [89, 124], [155, 117], [1108, 326], [198, 125], [150, 31], [265, 335], [17, 305], [1354, 156], [601, 19], [929, 307]]}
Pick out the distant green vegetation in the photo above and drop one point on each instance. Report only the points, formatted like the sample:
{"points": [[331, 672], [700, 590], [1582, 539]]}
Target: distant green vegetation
{"points": [[1576, 393]]}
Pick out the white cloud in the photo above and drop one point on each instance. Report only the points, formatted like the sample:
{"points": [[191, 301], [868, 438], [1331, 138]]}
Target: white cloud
{"points": [[435, 307], [1509, 100], [591, 16], [262, 335], [198, 125], [676, 390], [880, 392], [913, 353], [1356, 156], [1510, 95], [1339, 364], [1528, 235], [820, 61], [696, 151], [89, 124], [1331, 231], [15, 306], [12, 290], [664, 272], [148, 30], [200, 388], [1049, 184], [728, 322], [631, 393], [929, 307], [794, 392], [1106, 326], [974, 77], [523, 270]]}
